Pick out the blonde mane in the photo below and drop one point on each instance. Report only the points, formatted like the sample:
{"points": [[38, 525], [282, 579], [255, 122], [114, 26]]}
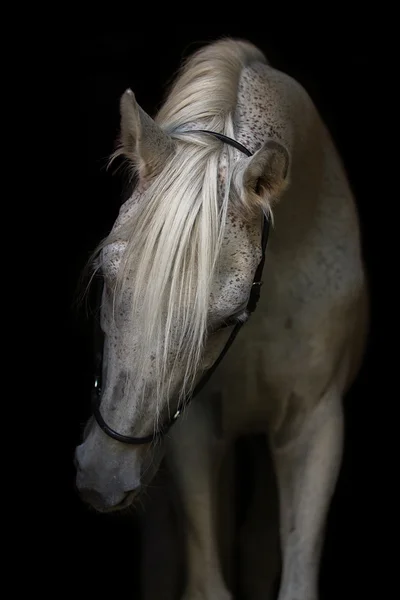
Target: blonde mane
{"points": [[174, 239]]}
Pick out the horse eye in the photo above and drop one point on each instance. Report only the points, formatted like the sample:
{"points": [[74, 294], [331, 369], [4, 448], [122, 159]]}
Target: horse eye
{"points": [[230, 322]]}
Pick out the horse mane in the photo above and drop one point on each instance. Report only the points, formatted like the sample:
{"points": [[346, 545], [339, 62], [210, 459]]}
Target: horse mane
{"points": [[174, 239], [206, 85]]}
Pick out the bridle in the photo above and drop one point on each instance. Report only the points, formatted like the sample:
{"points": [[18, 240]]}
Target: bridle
{"points": [[251, 306]]}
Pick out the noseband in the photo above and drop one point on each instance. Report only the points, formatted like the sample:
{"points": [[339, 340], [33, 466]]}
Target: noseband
{"points": [[98, 337]]}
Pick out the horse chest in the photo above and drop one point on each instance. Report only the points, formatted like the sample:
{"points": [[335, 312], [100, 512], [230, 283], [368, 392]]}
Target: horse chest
{"points": [[287, 350]]}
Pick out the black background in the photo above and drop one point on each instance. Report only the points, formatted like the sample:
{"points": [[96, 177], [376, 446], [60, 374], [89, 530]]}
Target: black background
{"points": [[340, 71]]}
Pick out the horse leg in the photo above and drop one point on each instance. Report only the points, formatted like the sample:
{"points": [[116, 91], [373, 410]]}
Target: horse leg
{"points": [[226, 511], [259, 535], [307, 450], [161, 548], [195, 453]]}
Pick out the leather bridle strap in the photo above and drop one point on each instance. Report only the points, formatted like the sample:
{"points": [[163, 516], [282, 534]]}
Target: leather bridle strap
{"points": [[225, 139], [251, 306]]}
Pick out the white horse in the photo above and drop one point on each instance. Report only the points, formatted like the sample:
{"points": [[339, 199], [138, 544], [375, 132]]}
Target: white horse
{"points": [[179, 264]]}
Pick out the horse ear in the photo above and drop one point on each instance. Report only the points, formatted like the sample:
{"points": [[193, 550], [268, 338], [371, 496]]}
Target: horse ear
{"points": [[142, 140], [266, 173]]}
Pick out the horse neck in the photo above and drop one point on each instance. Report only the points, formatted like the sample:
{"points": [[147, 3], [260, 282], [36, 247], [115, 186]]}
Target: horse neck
{"points": [[273, 106]]}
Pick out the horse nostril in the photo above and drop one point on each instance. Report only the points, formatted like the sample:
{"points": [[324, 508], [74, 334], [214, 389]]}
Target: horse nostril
{"points": [[79, 457], [91, 497], [76, 463]]}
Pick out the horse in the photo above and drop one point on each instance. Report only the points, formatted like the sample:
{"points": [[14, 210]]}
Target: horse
{"points": [[238, 183]]}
